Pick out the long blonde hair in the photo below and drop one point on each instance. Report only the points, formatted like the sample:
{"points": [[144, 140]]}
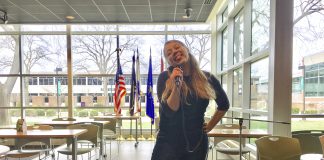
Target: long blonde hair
{"points": [[199, 82]]}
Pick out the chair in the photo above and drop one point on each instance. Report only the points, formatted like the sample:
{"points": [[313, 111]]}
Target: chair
{"points": [[309, 142], [64, 119], [23, 145], [277, 147], [109, 133], [321, 138], [230, 150], [91, 136]]}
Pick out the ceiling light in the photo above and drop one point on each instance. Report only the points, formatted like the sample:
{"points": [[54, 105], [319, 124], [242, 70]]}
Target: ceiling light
{"points": [[3, 16], [187, 12], [69, 17]]}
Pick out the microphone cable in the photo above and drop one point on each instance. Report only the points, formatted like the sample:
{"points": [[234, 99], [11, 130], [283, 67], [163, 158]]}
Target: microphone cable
{"points": [[184, 129]]}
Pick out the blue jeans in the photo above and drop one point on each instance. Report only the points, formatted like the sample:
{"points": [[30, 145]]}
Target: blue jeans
{"points": [[165, 149]]}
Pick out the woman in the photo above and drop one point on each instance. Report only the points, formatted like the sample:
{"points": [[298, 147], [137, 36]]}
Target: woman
{"points": [[184, 92]]}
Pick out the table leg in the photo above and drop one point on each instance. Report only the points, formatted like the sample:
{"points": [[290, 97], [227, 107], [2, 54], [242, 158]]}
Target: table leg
{"points": [[101, 140], [74, 148]]}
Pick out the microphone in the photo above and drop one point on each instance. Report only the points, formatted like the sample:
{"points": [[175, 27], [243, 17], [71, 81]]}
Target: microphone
{"points": [[177, 78]]}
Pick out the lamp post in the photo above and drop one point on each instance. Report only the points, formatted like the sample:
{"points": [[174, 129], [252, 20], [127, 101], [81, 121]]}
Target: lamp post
{"points": [[302, 67], [58, 69]]}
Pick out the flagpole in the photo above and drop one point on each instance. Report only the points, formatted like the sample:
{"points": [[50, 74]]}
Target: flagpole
{"points": [[151, 138], [138, 96], [120, 137]]}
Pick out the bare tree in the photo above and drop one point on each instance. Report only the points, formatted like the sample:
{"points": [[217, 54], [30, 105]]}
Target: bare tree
{"points": [[99, 51], [198, 46], [308, 7]]}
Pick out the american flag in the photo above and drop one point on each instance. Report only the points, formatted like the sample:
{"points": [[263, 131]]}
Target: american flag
{"points": [[120, 90]]}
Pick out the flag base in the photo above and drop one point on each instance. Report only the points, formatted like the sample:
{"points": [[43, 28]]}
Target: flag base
{"points": [[141, 138], [131, 138], [151, 138], [120, 138]]}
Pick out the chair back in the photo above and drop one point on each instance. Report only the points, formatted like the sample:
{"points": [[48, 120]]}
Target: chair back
{"points": [[321, 138], [309, 142], [111, 125], [277, 147], [91, 135], [228, 126]]}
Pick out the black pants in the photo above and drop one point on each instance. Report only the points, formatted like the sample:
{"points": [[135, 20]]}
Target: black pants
{"points": [[165, 149]]}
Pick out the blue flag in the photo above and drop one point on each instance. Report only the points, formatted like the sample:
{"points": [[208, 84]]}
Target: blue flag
{"points": [[133, 88], [149, 92]]}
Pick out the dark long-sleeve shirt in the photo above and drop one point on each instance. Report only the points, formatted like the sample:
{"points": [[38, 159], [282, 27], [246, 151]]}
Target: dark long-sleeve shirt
{"points": [[171, 122]]}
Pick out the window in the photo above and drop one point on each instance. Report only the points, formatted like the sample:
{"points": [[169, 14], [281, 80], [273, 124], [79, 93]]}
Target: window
{"points": [[33, 81], [238, 37], [260, 25], [224, 49], [259, 85], [237, 88], [46, 81]]}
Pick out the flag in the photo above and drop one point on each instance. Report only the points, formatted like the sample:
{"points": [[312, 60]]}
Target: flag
{"points": [[120, 89], [133, 88], [149, 92], [162, 63], [138, 84]]}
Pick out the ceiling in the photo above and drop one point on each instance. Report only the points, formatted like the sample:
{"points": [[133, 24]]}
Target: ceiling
{"points": [[105, 11]]}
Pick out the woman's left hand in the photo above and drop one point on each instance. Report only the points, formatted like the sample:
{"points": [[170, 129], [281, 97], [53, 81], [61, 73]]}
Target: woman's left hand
{"points": [[207, 128]]}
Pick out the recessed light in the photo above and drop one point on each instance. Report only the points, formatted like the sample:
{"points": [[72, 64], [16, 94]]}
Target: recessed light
{"points": [[70, 17]]}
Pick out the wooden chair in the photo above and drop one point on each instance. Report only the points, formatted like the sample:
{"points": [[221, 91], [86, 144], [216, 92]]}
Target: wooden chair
{"points": [[277, 147], [91, 136], [230, 150]]}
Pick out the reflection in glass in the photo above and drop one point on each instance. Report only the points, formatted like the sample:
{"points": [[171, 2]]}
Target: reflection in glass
{"points": [[224, 49], [260, 25], [259, 85], [237, 88], [238, 37], [9, 54]]}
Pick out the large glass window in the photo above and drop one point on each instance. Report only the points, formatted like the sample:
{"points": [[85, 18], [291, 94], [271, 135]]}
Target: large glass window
{"points": [[238, 37], [237, 87], [42, 54], [260, 25], [224, 49], [259, 85], [9, 54]]}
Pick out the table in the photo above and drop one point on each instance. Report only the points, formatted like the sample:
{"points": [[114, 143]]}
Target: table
{"points": [[220, 134], [64, 124], [54, 133], [121, 118]]}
